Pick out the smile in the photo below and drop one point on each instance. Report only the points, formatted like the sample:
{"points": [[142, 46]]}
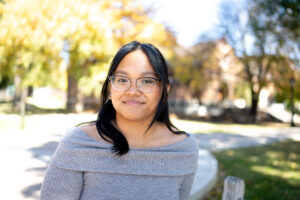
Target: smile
{"points": [[132, 102]]}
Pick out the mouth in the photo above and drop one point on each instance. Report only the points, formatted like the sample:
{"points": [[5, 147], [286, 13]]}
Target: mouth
{"points": [[133, 102]]}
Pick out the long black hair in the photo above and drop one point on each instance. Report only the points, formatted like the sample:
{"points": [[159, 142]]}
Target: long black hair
{"points": [[107, 112]]}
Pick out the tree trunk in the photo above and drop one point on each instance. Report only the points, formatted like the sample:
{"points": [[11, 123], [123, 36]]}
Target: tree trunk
{"points": [[17, 95], [254, 105], [72, 93]]}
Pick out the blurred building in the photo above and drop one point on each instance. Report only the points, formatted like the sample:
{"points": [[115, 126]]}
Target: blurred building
{"points": [[224, 73]]}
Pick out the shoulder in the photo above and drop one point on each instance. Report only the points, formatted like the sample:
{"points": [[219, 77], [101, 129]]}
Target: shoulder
{"points": [[91, 131], [184, 142], [77, 149], [175, 138], [167, 137], [79, 137]]}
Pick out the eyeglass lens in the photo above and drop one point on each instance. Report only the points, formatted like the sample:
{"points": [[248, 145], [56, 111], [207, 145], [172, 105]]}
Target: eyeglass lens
{"points": [[144, 84]]}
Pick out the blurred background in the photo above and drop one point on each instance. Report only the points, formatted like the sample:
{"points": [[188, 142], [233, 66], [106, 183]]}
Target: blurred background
{"points": [[234, 68]]}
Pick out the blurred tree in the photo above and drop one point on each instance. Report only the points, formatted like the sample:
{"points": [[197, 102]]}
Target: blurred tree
{"points": [[25, 51], [132, 21], [284, 20], [49, 42], [83, 30], [189, 68], [203, 64], [284, 16], [251, 34], [32, 42], [281, 77]]}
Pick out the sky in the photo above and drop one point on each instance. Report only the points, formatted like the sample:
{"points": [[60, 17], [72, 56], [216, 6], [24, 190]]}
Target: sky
{"points": [[188, 18]]}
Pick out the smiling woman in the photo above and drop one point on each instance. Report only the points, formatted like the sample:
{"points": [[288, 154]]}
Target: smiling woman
{"points": [[132, 150], [137, 104]]}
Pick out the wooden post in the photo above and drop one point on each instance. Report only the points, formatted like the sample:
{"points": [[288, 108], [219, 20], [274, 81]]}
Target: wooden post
{"points": [[234, 188]]}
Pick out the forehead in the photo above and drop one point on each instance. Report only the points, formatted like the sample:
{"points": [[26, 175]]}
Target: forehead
{"points": [[135, 63]]}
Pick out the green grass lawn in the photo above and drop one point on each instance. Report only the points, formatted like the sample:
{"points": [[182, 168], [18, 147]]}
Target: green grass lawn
{"points": [[270, 172]]}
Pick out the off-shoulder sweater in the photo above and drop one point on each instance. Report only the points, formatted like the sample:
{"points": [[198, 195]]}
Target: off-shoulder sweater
{"points": [[85, 169]]}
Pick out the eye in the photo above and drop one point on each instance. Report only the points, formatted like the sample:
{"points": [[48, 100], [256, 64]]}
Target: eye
{"points": [[120, 80], [148, 81]]}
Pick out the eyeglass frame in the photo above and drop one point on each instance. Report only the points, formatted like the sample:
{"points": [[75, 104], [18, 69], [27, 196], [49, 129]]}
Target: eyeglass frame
{"points": [[130, 82]]}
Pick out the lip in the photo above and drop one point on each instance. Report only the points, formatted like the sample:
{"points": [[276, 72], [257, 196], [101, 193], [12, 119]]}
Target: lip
{"points": [[132, 102]]}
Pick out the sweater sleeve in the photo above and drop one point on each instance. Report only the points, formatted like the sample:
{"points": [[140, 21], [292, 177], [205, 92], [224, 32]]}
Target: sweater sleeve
{"points": [[61, 184], [186, 186]]}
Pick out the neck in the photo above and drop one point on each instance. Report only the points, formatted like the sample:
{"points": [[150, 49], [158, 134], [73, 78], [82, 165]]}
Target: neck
{"points": [[134, 131]]}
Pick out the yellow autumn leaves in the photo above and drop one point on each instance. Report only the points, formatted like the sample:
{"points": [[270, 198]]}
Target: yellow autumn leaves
{"points": [[35, 33]]}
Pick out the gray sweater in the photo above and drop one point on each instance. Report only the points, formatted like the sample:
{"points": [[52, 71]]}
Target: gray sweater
{"points": [[85, 169]]}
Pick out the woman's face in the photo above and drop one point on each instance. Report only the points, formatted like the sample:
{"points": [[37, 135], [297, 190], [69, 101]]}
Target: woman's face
{"points": [[133, 104]]}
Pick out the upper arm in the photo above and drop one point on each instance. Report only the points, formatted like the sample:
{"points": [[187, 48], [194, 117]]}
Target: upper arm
{"points": [[186, 186], [61, 184]]}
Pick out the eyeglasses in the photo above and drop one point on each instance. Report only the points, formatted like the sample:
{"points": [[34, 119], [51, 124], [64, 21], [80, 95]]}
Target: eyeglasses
{"points": [[123, 83]]}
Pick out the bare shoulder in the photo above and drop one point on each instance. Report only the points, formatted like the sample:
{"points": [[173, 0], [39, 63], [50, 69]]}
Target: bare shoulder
{"points": [[170, 137], [178, 137], [91, 130]]}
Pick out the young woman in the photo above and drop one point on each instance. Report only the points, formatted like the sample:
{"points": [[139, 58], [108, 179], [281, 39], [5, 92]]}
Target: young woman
{"points": [[132, 151]]}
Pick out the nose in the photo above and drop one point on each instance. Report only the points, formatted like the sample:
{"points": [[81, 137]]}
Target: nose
{"points": [[133, 88]]}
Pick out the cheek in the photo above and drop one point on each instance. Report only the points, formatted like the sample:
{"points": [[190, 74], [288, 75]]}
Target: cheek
{"points": [[113, 93], [115, 97], [156, 96]]}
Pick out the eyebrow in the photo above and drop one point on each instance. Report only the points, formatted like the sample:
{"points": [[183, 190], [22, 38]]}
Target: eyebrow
{"points": [[143, 74]]}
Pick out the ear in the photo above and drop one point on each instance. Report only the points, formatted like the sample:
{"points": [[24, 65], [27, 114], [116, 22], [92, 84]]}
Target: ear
{"points": [[168, 88]]}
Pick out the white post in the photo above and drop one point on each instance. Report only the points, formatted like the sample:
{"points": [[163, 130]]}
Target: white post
{"points": [[234, 188], [23, 107]]}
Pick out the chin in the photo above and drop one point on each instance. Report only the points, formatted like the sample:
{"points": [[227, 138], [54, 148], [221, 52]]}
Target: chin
{"points": [[136, 116]]}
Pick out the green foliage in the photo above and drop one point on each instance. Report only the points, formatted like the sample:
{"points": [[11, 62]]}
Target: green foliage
{"points": [[284, 15], [259, 20], [92, 83], [270, 172], [242, 90], [280, 20]]}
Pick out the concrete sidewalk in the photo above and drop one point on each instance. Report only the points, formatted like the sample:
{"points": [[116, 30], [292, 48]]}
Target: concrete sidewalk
{"points": [[26, 154], [223, 141], [24, 161]]}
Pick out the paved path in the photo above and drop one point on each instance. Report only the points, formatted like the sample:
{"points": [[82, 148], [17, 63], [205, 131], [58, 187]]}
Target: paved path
{"points": [[25, 155], [223, 141]]}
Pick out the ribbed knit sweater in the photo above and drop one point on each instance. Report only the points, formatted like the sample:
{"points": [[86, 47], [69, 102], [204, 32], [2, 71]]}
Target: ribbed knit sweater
{"points": [[85, 169]]}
